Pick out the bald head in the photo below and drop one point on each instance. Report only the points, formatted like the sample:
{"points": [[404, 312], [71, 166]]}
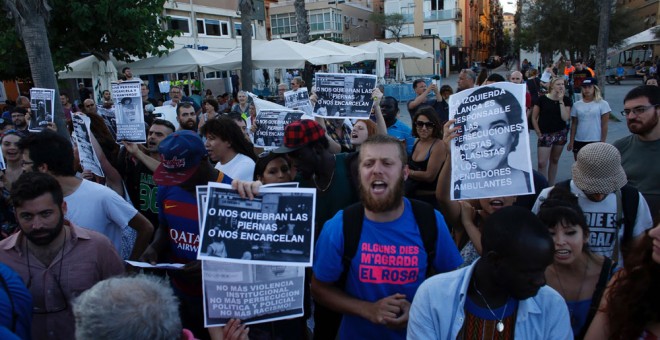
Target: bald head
{"points": [[516, 77]]}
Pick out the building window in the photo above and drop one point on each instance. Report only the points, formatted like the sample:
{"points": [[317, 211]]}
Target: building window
{"points": [[179, 24], [437, 5], [239, 32], [214, 28]]}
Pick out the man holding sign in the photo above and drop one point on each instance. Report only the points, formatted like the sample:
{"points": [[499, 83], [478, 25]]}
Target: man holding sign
{"points": [[391, 259]]}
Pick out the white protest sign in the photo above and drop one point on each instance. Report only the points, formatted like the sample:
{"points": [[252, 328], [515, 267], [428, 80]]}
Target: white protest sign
{"points": [[491, 156], [344, 95]]}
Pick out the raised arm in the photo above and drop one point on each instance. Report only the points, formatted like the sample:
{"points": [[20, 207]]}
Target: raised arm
{"points": [[451, 210]]}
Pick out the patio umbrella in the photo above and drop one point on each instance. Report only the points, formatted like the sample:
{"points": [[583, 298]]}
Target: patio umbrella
{"points": [[355, 54], [279, 53], [410, 52], [389, 52], [83, 67], [183, 60]]}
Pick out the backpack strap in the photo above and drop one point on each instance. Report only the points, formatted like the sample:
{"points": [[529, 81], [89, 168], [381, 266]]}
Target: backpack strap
{"points": [[428, 230], [353, 218], [605, 274], [630, 201], [352, 230]]}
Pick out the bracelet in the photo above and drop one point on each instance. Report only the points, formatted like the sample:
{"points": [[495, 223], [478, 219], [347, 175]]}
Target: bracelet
{"points": [[412, 172]]}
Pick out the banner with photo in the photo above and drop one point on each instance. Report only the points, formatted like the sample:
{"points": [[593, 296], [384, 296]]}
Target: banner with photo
{"points": [[298, 100], [3, 164], [129, 114], [270, 127], [251, 293], [274, 228], [491, 155], [86, 153], [43, 108], [344, 95]]}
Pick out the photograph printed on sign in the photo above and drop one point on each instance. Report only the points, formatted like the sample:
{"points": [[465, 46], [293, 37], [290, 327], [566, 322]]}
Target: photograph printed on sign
{"points": [[129, 112], [491, 155], [252, 293], [83, 143], [275, 228], [270, 127], [298, 100], [344, 95], [42, 107]]}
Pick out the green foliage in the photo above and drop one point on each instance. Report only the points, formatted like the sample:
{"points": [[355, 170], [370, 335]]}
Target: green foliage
{"points": [[124, 28], [569, 25], [392, 22]]}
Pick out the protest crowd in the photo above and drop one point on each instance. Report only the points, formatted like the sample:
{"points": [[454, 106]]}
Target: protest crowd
{"points": [[439, 230]]}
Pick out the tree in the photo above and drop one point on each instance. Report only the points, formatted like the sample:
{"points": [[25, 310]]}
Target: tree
{"points": [[392, 22], [74, 27], [100, 27], [246, 7], [567, 26], [302, 26], [603, 36], [30, 17]]}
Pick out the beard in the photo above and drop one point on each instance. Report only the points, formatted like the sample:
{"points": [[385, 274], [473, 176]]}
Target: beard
{"points": [[45, 237], [388, 203], [641, 128]]}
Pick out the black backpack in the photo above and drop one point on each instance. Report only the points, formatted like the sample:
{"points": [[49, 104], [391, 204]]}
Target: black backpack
{"points": [[352, 229]]}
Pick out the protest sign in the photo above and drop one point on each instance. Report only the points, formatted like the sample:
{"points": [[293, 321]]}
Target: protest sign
{"points": [[344, 95], [43, 109], [167, 112], [491, 156], [298, 100], [108, 114], [275, 228], [129, 114], [270, 127], [3, 165], [252, 293], [86, 152]]}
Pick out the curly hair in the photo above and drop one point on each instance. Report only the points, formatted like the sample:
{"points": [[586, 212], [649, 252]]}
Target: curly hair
{"points": [[633, 297]]}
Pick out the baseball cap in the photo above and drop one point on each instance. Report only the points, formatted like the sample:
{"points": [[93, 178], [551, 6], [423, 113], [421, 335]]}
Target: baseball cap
{"points": [[589, 81], [181, 154], [598, 170], [300, 133]]}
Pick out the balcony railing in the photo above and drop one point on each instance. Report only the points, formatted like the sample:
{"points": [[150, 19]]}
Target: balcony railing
{"points": [[446, 14]]}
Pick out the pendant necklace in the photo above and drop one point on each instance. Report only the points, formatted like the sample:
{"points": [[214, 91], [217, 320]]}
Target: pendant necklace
{"points": [[500, 325], [332, 176]]}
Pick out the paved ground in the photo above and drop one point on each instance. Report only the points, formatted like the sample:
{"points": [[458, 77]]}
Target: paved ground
{"points": [[614, 95]]}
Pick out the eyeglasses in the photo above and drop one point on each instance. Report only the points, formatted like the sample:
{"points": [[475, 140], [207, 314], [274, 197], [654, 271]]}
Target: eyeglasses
{"points": [[90, 105], [428, 125], [638, 110], [62, 300], [175, 92]]}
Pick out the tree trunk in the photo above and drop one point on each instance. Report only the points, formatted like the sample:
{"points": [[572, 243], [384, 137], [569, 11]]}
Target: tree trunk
{"points": [[246, 7], [303, 37], [33, 32], [603, 37]]}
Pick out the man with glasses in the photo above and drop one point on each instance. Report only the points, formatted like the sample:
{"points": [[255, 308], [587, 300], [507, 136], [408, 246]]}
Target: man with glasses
{"points": [[641, 150], [56, 259], [18, 118]]}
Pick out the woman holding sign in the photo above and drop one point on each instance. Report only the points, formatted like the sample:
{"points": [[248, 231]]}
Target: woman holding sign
{"points": [[549, 118]]}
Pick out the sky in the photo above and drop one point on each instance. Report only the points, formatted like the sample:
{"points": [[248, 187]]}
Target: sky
{"points": [[508, 6]]}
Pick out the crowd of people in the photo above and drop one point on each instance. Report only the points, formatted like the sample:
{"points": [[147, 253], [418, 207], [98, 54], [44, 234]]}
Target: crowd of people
{"points": [[394, 256]]}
